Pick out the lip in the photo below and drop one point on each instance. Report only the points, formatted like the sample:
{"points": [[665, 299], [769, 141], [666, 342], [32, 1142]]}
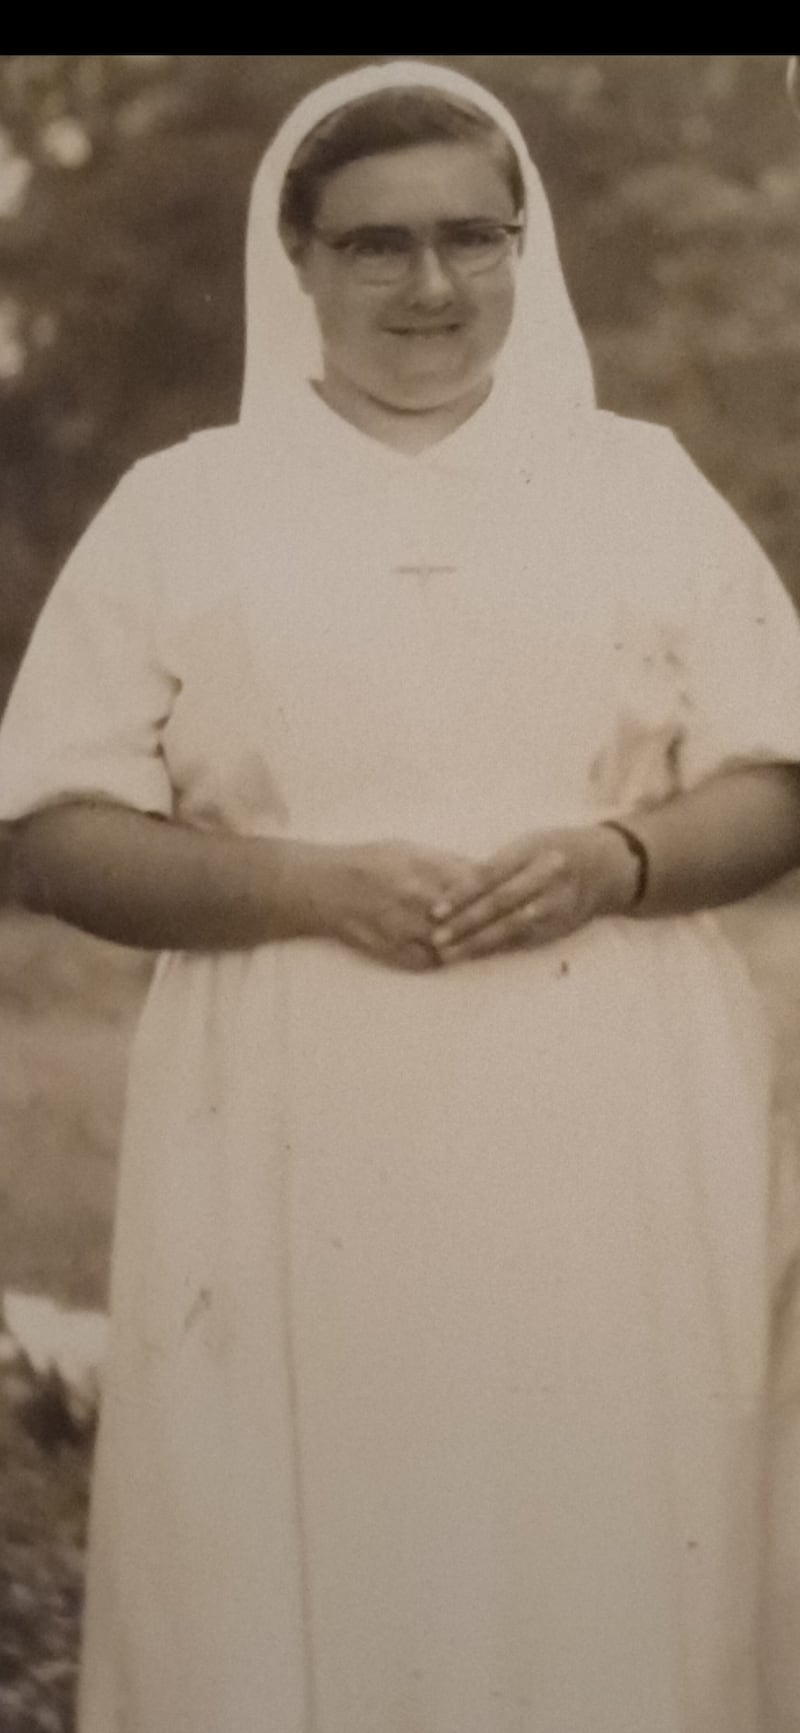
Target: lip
{"points": [[448, 330]]}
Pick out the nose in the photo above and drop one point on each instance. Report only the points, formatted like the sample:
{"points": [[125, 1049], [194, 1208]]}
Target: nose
{"points": [[430, 285]]}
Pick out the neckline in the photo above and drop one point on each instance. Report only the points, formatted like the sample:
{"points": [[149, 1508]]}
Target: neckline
{"points": [[328, 421]]}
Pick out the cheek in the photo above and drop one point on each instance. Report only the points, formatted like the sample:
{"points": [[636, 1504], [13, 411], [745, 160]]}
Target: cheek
{"points": [[496, 312], [345, 321]]}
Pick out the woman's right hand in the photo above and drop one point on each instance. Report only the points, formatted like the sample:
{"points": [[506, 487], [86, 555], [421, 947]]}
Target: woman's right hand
{"points": [[378, 898]]}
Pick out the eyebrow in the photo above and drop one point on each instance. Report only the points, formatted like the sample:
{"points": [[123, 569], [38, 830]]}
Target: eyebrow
{"points": [[477, 222]]}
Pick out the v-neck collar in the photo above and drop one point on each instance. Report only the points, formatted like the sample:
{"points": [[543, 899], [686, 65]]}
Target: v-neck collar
{"points": [[472, 442]]}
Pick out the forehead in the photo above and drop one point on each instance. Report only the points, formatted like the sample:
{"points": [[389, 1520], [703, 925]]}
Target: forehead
{"points": [[424, 183]]}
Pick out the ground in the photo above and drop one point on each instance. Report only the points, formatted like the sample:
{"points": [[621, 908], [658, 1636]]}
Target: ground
{"points": [[67, 1006], [43, 1490]]}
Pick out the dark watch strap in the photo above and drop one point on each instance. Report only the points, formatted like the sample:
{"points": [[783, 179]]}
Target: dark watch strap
{"points": [[639, 851]]}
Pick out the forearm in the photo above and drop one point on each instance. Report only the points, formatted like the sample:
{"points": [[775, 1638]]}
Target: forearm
{"points": [[721, 841], [145, 882]]}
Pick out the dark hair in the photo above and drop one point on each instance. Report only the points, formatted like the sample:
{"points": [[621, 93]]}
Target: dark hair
{"points": [[389, 120]]}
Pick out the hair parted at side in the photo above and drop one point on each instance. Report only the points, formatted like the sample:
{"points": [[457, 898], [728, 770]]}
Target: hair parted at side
{"points": [[389, 120]]}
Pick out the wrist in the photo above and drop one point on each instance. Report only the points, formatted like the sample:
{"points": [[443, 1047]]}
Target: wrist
{"points": [[627, 864], [296, 878]]}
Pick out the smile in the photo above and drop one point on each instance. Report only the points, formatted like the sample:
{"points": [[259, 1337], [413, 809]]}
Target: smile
{"points": [[423, 330]]}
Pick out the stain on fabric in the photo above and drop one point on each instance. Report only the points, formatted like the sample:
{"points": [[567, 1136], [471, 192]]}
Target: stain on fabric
{"points": [[199, 1306]]}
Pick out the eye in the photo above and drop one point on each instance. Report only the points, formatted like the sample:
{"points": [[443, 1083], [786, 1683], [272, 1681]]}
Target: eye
{"points": [[377, 244], [475, 236], [477, 243]]}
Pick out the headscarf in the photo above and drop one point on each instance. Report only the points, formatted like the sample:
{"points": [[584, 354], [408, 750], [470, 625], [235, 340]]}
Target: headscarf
{"points": [[543, 374]]}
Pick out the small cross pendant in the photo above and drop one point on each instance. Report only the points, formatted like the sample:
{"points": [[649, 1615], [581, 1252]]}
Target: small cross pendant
{"points": [[424, 572]]}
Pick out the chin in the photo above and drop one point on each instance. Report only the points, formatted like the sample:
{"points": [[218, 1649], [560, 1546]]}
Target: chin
{"points": [[427, 394]]}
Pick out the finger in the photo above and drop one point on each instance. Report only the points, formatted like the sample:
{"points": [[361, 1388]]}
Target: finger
{"points": [[423, 958], [479, 879], [466, 881], [417, 957], [512, 893], [524, 925], [482, 910], [538, 867], [520, 855]]}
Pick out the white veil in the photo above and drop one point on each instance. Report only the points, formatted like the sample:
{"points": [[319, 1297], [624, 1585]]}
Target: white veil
{"points": [[544, 371]]}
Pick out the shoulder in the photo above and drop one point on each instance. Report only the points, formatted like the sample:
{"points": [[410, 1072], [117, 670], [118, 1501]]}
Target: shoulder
{"points": [[653, 481], [645, 450], [149, 536], [173, 504], [210, 455], [195, 505], [701, 553]]}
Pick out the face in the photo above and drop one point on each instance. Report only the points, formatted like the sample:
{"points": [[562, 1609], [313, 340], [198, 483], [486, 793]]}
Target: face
{"points": [[428, 340]]}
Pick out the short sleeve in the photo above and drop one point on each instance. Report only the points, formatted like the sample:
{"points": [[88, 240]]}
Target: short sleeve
{"points": [[86, 713], [742, 698]]}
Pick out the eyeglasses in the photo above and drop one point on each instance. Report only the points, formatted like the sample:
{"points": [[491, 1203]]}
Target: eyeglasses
{"points": [[384, 254]]}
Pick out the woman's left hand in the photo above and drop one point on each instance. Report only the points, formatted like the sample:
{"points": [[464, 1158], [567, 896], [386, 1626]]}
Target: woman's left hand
{"points": [[539, 888]]}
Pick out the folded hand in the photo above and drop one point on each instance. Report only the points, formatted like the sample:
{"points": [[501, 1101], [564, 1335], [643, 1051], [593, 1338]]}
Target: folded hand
{"points": [[539, 888]]}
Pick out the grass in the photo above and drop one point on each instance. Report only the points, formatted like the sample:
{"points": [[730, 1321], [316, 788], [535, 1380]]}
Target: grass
{"points": [[67, 1008], [43, 1498]]}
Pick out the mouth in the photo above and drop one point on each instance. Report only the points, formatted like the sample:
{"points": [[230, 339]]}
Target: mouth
{"points": [[425, 331]]}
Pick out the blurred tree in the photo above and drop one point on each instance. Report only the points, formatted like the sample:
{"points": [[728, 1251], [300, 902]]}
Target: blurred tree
{"points": [[675, 182]]}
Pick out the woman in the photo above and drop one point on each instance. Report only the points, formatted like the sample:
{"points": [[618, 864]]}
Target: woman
{"points": [[394, 717]]}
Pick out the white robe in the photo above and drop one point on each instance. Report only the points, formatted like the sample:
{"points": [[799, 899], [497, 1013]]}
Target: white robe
{"points": [[440, 1302]]}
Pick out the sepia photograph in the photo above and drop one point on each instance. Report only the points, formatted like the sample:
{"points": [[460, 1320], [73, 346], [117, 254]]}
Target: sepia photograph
{"points": [[400, 913]]}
